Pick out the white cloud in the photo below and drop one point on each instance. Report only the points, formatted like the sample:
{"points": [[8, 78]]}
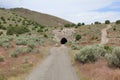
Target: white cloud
{"points": [[64, 6], [90, 17]]}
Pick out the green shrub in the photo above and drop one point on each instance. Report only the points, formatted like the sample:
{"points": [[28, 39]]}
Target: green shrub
{"points": [[2, 77], [31, 45], [45, 35], [15, 53], [90, 53], [114, 58], [6, 45], [97, 22], [30, 41], [107, 22], [108, 48], [83, 24], [67, 25], [79, 24], [76, 47], [72, 25], [78, 37], [2, 27], [21, 42], [4, 41], [114, 28], [1, 58], [2, 18], [40, 30], [1, 33], [26, 50], [36, 51], [17, 30], [118, 22], [20, 50]]}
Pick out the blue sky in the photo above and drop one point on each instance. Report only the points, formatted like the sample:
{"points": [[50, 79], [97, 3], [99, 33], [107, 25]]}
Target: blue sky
{"points": [[87, 11]]}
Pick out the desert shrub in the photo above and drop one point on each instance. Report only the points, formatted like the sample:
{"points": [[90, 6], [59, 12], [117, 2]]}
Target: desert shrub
{"points": [[6, 45], [79, 24], [83, 24], [4, 40], [36, 51], [75, 47], [2, 27], [72, 25], [20, 42], [30, 41], [97, 22], [108, 48], [2, 77], [67, 25], [118, 22], [114, 29], [1, 58], [45, 35], [78, 37], [2, 18], [114, 58], [26, 50], [90, 53], [40, 30], [8, 19], [1, 33], [17, 30], [20, 50], [15, 52], [107, 22]]}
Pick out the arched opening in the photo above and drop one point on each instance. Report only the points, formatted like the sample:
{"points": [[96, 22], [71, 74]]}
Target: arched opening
{"points": [[63, 41]]}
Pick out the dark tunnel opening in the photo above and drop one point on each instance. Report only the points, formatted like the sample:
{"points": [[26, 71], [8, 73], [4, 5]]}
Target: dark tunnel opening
{"points": [[63, 41]]}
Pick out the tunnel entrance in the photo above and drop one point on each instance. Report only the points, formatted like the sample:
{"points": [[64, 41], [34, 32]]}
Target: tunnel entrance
{"points": [[63, 41]]}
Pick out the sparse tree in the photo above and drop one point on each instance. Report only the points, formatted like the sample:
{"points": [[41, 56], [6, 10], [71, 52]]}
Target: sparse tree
{"points": [[72, 25], [17, 30], [79, 24], [3, 19], [67, 25], [1, 33], [78, 37], [107, 22], [118, 22], [97, 22], [83, 23]]}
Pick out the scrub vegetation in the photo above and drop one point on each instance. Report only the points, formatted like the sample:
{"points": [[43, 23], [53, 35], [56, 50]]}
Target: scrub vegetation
{"points": [[26, 36]]}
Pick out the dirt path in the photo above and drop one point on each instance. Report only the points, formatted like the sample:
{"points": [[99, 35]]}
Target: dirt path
{"points": [[104, 38], [56, 66]]}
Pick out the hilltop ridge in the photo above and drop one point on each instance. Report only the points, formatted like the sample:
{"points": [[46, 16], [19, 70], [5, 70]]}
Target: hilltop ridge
{"points": [[41, 18]]}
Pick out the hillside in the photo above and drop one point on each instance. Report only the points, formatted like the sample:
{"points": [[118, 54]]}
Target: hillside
{"points": [[44, 19], [10, 20], [26, 39], [21, 44]]}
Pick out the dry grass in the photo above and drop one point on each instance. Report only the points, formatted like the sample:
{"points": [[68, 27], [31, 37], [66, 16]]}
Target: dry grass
{"points": [[114, 35], [91, 34], [41, 18], [94, 71], [98, 71], [18, 68]]}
